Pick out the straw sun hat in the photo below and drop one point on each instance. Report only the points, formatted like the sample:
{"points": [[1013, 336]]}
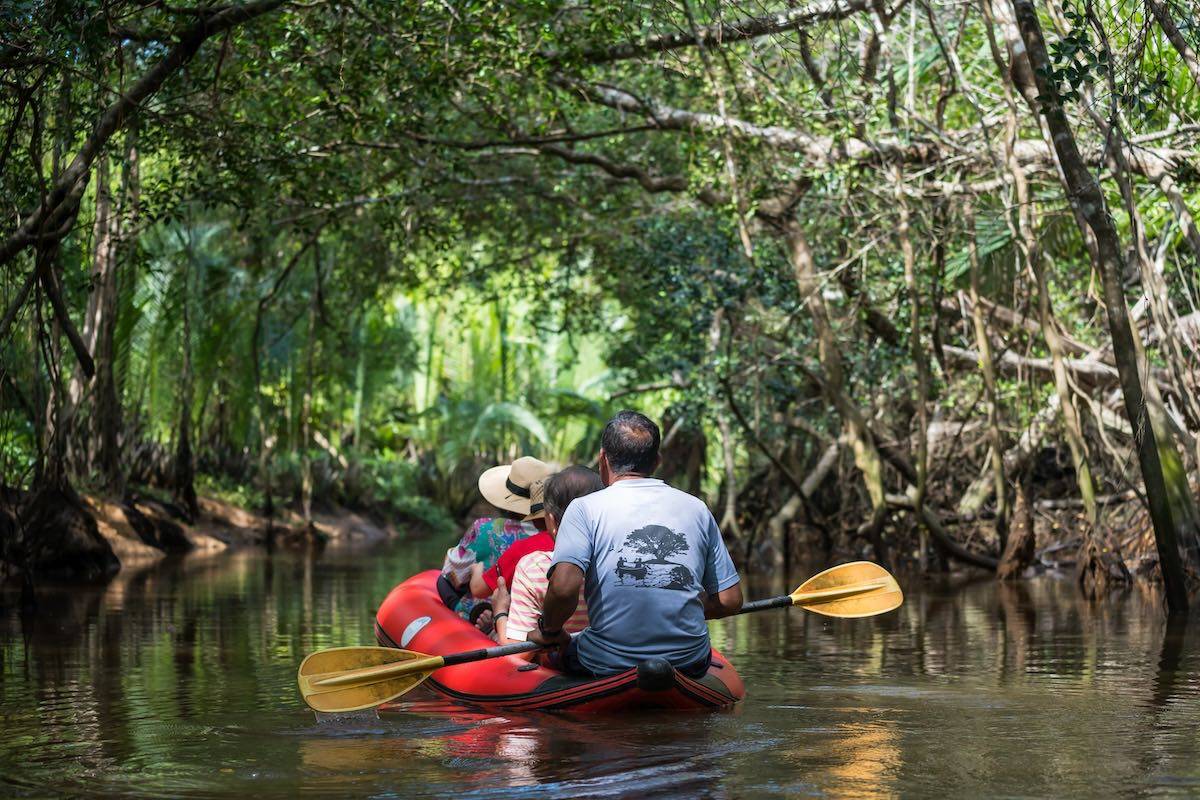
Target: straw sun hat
{"points": [[517, 487]]}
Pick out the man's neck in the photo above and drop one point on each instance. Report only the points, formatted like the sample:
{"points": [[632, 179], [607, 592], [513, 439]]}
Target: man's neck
{"points": [[626, 476]]}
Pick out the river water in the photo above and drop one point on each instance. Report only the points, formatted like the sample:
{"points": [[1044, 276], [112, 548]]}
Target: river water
{"points": [[179, 680]]}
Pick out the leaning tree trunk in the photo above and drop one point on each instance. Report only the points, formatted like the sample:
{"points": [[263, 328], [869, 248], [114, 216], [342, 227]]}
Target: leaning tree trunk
{"points": [[107, 420], [1184, 512], [862, 441], [56, 421], [99, 455], [987, 366], [921, 360], [1084, 194], [729, 517], [185, 466], [101, 297], [306, 405], [56, 428]]}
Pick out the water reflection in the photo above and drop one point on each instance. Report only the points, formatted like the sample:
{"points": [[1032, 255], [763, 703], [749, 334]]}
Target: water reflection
{"points": [[178, 679]]}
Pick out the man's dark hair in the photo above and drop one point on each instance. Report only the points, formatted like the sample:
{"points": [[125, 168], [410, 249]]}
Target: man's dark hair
{"points": [[631, 443], [563, 487]]}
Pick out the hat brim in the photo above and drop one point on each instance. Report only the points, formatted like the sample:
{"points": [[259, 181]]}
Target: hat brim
{"points": [[493, 486]]}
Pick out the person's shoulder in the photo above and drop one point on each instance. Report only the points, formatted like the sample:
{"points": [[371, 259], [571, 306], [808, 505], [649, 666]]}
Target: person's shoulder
{"points": [[535, 561], [683, 499]]}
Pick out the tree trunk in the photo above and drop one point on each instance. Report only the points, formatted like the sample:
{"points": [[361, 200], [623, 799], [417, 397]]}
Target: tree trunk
{"points": [[360, 381], [306, 402], [107, 422], [99, 450], [862, 441], [185, 467], [987, 366], [1022, 544], [729, 520], [684, 451], [920, 359], [56, 425], [1185, 514], [1084, 194], [102, 298]]}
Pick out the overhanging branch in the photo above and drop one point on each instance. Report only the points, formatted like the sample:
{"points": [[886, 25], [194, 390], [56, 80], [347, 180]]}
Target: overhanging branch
{"points": [[738, 30]]}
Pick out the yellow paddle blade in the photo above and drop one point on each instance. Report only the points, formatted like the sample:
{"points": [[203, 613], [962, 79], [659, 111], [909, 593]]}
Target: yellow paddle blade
{"points": [[857, 589], [344, 679]]}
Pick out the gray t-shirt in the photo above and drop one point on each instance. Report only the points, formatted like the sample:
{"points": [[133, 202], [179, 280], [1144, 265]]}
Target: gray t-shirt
{"points": [[649, 553]]}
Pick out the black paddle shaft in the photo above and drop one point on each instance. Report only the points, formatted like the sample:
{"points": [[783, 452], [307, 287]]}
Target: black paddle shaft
{"points": [[490, 652], [762, 605]]}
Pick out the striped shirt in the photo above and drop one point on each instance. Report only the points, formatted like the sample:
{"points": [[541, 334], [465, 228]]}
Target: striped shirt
{"points": [[528, 593]]}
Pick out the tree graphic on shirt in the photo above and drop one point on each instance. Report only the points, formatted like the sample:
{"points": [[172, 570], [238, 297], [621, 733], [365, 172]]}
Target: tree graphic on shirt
{"points": [[657, 541]]}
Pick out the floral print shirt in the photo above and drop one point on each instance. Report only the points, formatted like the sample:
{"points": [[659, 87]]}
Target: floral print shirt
{"points": [[483, 543]]}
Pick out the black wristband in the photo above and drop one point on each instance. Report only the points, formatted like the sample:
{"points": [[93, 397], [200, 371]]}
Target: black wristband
{"points": [[496, 617], [544, 632]]}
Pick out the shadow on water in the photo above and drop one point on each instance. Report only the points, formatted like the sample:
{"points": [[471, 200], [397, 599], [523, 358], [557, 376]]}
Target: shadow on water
{"points": [[179, 679]]}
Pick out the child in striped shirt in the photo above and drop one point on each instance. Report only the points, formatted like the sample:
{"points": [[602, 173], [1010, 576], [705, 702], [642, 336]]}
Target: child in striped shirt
{"points": [[519, 615]]}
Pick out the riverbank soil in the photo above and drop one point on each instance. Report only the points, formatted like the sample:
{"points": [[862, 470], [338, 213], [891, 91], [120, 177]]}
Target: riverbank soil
{"points": [[90, 537]]}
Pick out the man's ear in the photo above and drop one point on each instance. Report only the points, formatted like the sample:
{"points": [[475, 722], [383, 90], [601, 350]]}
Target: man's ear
{"points": [[605, 470]]}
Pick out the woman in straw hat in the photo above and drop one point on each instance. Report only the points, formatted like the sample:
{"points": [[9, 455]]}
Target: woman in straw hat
{"points": [[515, 490]]}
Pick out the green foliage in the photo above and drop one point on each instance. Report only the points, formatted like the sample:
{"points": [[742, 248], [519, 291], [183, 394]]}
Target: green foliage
{"points": [[412, 240]]}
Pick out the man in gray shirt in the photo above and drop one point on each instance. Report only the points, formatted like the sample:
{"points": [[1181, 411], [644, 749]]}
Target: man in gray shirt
{"points": [[650, 559]]}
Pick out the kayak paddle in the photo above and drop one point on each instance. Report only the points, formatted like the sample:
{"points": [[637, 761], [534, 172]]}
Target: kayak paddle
{"points": [[344, 679], [857, 589]]}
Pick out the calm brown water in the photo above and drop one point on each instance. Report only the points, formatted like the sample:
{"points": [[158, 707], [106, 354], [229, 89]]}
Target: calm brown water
{"points": [[180, 681]]}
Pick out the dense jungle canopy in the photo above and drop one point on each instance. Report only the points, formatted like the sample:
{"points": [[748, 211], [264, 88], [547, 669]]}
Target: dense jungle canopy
{"points": [[911, 279]]}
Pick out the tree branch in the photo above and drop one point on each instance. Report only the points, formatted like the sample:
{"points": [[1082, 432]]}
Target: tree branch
{"points": [[824, 151], [738, 30], [651, 183]]}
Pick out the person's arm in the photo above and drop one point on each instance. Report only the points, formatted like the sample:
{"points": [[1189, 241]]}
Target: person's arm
{"points": [[501, 601], [527, 593], [572, 555], [724, 603], [480, 586], [562, 598], [562, 595]]}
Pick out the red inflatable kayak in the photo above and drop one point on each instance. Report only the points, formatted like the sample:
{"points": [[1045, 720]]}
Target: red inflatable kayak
{"points": [[413, 617]]}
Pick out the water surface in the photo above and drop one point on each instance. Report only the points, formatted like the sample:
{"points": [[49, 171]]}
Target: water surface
{"points": [[179, 680]]}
